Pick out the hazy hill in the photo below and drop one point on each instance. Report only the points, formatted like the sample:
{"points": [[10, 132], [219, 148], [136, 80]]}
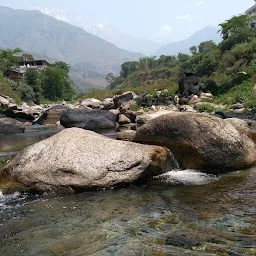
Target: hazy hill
{"points": [[205, 34], [38, 33], [105, 31]]}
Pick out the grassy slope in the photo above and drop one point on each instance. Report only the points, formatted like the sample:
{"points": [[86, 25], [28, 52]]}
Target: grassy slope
{"points": [[5, 89]]}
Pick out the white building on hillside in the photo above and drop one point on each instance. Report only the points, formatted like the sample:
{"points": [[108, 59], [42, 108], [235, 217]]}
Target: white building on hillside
{"points": [[252, 11]]}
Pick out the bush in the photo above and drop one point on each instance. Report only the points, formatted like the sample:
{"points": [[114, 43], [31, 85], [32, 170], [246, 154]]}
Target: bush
{"points": [[7, 90], [25, 92], [240, 93], [206, 107]]}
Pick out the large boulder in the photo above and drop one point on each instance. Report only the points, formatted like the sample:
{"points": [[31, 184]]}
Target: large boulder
{"points": [[76, 159], [89, 119], [52, 115], [10, 126], [200, 141]]}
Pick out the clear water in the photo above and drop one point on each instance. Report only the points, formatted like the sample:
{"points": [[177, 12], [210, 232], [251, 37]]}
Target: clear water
{"points": [[11, 143], [214, 218], [183, 212]]}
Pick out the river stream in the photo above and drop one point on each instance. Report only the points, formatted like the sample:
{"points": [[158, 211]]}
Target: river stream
{"points": [[183, 212]]}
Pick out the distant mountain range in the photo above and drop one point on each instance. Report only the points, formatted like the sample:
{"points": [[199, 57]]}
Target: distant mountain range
{"points": [[106, 31], [205, 34], [90, 57], [44, 35]]}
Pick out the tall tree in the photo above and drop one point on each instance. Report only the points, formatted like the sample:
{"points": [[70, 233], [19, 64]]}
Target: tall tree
{"points": [[235, 31]]}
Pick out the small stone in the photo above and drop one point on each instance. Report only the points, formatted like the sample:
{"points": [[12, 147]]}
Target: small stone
{"points": [[123, 119], [238, 106]]}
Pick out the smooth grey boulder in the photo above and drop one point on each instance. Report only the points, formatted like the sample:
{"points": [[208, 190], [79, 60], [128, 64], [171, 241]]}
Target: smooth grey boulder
{"points": [[75, 159], [199, 141], [91, 103], [89, 119], [10, 126]]}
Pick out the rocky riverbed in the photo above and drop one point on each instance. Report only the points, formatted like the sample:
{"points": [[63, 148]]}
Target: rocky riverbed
{"points": [[207, 215], [72, 191]]}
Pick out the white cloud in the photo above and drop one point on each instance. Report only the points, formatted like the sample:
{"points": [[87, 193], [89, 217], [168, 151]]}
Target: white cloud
{"points": [[201, 3], [166, 27], [184, 17]]}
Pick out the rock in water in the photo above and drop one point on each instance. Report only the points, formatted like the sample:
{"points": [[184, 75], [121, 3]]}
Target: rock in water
{"points": [[89, 119], [200, 141], [9, 126], [76, 159]]}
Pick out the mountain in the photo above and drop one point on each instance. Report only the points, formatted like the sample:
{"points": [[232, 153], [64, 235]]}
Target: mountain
{"points": [[105, 31], [205, 34], [44, 35]]}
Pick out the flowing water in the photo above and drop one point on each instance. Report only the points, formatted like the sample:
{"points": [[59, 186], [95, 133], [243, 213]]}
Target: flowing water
{"points": [[183, 212]]}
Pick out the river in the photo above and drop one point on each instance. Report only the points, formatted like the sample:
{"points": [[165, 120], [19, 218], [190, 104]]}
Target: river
{"points": [[183, 212]]}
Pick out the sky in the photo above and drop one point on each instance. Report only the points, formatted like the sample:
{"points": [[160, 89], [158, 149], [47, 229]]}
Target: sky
{"points": [[158, 20]]}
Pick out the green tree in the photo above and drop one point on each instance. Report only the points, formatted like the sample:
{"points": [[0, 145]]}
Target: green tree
{"points": [[182, 57], [193, 49], [62, 65], [127, 68], [32, 78], [55, 84], [235, 31], [8, 59], [206, 46]]}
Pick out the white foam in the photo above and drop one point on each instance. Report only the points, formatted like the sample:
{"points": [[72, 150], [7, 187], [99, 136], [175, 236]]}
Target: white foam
{"points": [[186, 177]]}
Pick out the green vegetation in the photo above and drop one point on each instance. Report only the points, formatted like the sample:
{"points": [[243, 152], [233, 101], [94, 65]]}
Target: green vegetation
{"points": [[5, 89], [170, 87], [51, 84], [206, 107], [232, 64]]}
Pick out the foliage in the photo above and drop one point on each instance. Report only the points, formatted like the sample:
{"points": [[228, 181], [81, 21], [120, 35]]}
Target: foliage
{"points": [[25, 92], [7, 90], [52, 83], [8, 59], [102, 94], [206, 107], [55, 84], [223, 63], [238, 92], [235, 31]]}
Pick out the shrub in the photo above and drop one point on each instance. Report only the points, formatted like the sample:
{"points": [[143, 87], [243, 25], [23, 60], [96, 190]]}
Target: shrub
{"points": [[206, 107]]}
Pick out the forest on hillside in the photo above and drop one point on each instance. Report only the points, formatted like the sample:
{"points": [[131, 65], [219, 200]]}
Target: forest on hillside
{"points": [[231, 63]]}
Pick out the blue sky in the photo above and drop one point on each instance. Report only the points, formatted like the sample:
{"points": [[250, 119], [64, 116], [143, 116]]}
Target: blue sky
{"points": [[155, 19]]}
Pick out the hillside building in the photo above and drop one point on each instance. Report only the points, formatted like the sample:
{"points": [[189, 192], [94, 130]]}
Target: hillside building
{"points": [[252, 11], [18, 72]]}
